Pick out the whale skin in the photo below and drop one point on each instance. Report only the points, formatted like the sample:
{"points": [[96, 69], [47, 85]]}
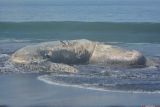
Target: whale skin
{"points": [[61, 56]]}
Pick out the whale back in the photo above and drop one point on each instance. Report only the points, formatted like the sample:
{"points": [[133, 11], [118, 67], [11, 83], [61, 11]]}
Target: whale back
{"points": [[67, 52], [72, 52]]}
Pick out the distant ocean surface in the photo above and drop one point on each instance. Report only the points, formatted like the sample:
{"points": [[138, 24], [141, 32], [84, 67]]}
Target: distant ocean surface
{"points": [[80, 10], [102, 20]]}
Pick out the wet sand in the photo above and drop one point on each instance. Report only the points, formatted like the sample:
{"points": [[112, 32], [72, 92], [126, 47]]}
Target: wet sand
{"points": [[18, 90]]}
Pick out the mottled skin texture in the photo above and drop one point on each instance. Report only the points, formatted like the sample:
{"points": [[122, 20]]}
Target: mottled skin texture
{"points": [[61, 55]]}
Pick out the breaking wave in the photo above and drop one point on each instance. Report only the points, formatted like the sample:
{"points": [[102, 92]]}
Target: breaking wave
{"points": [[101, 31], [135, 80]]}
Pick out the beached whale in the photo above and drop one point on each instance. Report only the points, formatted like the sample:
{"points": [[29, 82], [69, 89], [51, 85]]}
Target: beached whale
{"points": [[63, 55]]}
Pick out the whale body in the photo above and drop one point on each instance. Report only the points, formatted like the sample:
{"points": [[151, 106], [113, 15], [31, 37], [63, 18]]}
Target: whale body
{"points": [[61, 55]]}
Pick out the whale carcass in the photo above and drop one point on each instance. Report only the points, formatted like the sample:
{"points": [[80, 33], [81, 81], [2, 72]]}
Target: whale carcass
{"points": [[63, 55]]}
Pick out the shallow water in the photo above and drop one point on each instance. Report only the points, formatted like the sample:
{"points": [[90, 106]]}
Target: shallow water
{"points": [[25, 90], [145, 79]]}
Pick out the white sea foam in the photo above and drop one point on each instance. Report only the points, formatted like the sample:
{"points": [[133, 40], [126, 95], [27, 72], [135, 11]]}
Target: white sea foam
{"points": [[14, 40], [134, 43], [4, 55], [24, 40], [45, 79]]}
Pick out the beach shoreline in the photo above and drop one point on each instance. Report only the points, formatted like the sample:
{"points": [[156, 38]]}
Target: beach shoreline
{"points": [[27, 90]]}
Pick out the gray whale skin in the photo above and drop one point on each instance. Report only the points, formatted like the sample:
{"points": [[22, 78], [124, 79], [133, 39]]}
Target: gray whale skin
{"points": [[61, 55]]}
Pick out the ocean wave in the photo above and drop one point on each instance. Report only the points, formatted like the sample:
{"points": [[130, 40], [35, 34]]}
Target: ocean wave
{"points": [[133, 80], [141, 32], [134, 43], [84, 26], [45, 79], [13, 40], [8, 40]]}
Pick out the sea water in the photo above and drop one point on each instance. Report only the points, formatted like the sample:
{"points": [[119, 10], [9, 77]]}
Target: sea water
{"points": [[130, 24], [80, 10]]}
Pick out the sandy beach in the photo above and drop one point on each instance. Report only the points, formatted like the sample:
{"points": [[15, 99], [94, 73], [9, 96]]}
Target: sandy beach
{"points": [[26, 90]]}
